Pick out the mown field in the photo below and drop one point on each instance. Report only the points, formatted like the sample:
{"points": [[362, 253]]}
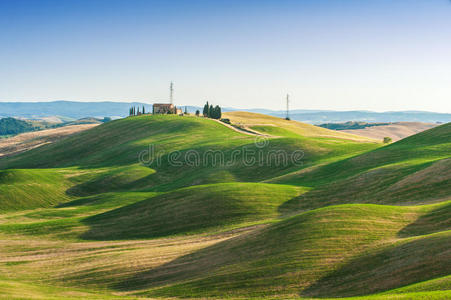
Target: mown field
{"points": [[92, 216]]}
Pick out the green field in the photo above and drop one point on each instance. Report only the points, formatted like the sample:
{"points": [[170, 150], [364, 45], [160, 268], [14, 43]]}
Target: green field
{"points": [[91, 217]]}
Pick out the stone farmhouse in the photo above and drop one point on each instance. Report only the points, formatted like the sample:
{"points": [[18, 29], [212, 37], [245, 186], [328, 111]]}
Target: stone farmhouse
{"points": [[165, 108]]}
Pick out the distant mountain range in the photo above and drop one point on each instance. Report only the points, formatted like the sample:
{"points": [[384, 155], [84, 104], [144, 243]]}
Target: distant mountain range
{"points": [[70, 109], [77, 110], [320, 117]]}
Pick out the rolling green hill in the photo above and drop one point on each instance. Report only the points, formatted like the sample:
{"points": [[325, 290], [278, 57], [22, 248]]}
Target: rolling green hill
{"points": [[310, 254], [222, 213], [119, 143], [413, 170], [27, 189], [187, 210]]}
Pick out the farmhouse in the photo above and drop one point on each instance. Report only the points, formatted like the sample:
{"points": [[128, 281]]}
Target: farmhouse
{"points": [[165, 108]]}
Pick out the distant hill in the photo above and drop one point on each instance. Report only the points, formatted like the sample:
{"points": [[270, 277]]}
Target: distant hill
{"points": [[9, 126], [12, 126], [71, 109], [77, 110], [350, 125], [29, 140], [366, 116], [396, 131]]}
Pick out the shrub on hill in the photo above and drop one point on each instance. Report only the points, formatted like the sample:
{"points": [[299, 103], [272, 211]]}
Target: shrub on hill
{"points": [[387, 140]]}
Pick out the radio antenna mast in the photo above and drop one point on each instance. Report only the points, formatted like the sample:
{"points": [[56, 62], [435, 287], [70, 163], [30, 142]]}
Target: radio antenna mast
{"points": [[171, 93], [288, 110]]}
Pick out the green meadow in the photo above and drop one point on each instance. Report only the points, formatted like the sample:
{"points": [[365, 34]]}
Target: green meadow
{"points": [[172, 207]]}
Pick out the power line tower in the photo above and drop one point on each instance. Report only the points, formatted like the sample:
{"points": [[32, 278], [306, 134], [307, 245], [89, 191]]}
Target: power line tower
{"points": [[288, 109], [171, 93]]}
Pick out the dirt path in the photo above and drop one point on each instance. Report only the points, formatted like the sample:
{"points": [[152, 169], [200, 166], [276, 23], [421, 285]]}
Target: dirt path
{"points": [[245, 130]]}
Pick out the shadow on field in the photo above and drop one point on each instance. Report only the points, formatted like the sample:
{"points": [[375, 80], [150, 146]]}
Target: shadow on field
{"points": [[393, 185], [195, 265], [393, 266], [83, 201], [436, 220], [197, 209]]}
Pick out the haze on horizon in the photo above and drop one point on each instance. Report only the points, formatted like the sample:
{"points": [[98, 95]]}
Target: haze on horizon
{"points": [[337, 55]]}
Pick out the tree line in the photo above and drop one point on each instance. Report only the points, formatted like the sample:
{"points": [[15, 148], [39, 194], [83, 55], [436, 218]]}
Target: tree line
{"points": [[212, 112], [209, 111]]}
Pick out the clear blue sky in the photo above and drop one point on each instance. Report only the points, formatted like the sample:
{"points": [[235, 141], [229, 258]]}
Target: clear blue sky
{"points": [[341, 54]]}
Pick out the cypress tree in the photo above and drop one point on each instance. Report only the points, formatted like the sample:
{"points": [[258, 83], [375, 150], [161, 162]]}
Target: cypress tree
{"points": [[217, 112], [210, 111], [144, 111], [205, 112]]}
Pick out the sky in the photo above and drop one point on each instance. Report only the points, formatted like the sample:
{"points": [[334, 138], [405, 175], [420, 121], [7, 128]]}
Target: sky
{"points": [[382, 55]]}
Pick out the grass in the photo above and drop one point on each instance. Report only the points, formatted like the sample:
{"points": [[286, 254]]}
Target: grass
{"points": [[289, 257], [82, 218], [302, 129], [190, 210], [413, 170], [26, 189]]}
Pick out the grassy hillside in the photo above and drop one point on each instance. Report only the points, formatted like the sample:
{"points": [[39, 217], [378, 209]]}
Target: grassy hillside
{"points": [[119, 144], [26, 141], [302, 129], [84, 217], [413, 170], [27, 189], [193, 209], [293, 256]]}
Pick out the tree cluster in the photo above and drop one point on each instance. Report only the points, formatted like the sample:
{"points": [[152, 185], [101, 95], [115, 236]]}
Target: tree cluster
{"points": [[14, 126], [212, 112], [134, 111]]}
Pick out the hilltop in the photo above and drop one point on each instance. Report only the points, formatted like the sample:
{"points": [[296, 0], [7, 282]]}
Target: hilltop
{"points": [[95, 215]]}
